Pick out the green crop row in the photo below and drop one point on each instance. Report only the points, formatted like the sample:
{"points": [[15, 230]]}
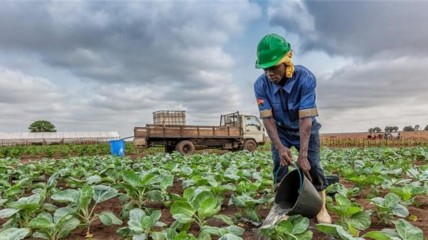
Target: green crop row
{"points": [[48, 199]]}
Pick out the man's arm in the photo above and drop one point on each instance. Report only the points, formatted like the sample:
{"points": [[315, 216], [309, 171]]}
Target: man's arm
{"points": [[307, 111], [266, 114], [272, 131], [305, 126]]}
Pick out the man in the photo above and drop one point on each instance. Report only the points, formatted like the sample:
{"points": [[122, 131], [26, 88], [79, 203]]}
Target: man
{"points": [[287, 103]]}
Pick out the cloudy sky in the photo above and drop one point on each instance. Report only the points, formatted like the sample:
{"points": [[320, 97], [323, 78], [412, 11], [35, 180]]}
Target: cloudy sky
{"points": [[107, 65]]}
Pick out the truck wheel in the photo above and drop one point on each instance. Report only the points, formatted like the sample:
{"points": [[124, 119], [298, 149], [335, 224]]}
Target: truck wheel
{"points": [[250, 145], [185, 147]]}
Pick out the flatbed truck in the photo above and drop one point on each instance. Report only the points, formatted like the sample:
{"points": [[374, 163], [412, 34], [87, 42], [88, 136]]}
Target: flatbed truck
{"points": [[235, 132]]}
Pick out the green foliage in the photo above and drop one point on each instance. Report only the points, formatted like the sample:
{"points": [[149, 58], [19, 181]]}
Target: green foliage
{"points": [[403, 230], [391, 128], [229, 232], [142, 226], [14, 233], [64, 150], [53, 228], [408, 192], [195, 207], [83, 201], [42, 126], [198, 207], [389, 207], [75, 186], [352, 217], [140, 187], [408, 129], [295, 227], [249, 205], [336, 231], [21, 211]]}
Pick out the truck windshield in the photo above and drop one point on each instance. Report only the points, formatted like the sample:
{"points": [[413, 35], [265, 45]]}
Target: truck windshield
{"points": [[252, 121]]}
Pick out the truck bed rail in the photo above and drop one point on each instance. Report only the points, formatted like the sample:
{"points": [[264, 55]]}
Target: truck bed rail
{"points": [[187, 131]]}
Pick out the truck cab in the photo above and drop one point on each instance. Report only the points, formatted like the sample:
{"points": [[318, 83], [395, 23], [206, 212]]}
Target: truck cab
{"points": [[252, 129]]}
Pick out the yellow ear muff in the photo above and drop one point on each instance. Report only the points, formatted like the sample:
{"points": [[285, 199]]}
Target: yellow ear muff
{"points": [[289, 69]]}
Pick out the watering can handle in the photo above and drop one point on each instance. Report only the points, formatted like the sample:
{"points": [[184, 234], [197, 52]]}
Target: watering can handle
{"points": [[301, 176], [298, 170]]}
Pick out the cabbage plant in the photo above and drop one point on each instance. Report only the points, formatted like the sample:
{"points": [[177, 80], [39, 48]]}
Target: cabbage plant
{"points": [[143, 226], [403, 231], [337, 231], [249, 205], [54, 227], [21, 211], [293, 228], [389, 208], [14, 233], [140, 188], [197, 207], [83, 201], [352, 216]]}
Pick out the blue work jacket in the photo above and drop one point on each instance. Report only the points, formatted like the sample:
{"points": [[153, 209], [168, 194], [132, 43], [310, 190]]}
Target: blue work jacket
{"points": [[286, 104]]}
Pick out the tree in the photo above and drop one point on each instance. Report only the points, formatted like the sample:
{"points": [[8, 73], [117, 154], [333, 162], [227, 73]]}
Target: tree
{"points": [[426, 128], [377, 129], [395, 128], [388, 129], [42, 126], [417, 127], [408, 129]]}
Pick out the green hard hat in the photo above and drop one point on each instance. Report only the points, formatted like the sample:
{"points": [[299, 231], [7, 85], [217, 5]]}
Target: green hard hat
{"points": [[270, 50]]}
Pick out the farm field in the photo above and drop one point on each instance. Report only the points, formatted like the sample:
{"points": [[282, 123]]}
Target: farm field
{"points": [[363, 135], [360, 139], [207, 196]]}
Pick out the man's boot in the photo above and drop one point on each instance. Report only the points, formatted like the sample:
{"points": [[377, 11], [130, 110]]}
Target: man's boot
{"points": [[323, 216]]}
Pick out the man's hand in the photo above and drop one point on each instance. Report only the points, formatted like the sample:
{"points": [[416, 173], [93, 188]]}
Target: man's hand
{"points": [[285, 158], [303, 164]]}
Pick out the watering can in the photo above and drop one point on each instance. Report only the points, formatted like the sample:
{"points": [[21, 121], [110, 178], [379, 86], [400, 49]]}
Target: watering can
{"points": [[295, 195]]}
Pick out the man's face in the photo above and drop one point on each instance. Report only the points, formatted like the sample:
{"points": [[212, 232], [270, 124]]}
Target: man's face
{"points": [[275, 73]]}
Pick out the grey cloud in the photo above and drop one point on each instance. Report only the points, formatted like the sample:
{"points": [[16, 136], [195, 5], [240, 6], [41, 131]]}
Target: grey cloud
{"points": [[25, 99], [385, 45], [132, 57], [217, 93], [130, 41], [381, 83], [362, 29], [122, 98], [19, 88], [361, 119]]}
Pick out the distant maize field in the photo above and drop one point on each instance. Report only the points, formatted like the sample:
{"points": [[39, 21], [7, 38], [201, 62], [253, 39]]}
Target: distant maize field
{"points": [[407, 139]]}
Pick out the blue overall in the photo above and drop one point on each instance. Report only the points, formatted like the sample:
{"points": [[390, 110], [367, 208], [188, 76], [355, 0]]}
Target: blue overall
{"points": [[286, 104]]}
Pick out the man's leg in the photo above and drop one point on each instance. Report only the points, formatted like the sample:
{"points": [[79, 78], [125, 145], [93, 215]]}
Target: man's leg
{"points": [[317, 174]]}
